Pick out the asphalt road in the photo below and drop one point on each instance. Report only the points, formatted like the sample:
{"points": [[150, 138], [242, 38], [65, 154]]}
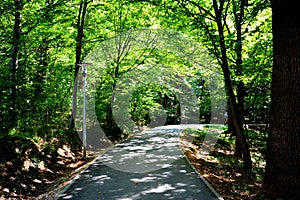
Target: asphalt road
{"points": [[150, 165]]}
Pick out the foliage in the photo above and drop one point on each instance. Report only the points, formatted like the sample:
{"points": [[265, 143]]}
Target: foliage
{"points": [[46, 53], [38, 55], [149, 99]]}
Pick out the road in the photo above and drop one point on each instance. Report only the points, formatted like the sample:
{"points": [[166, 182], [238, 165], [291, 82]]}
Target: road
{"points": [[150, 165]]}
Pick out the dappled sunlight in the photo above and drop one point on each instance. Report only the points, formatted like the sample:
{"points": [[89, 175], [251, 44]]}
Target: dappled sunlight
{"points": [[144, 179], [101, 181], [223, 170], [66, 152], [148, 166], [36, 167], [148, 151], [159, 189]]}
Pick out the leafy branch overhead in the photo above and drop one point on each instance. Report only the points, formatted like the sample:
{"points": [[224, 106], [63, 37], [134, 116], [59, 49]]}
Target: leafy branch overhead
{"points": [[44, 44]]}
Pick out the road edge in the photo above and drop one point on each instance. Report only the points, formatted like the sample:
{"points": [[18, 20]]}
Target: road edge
{"points": [[204, 180], [72, 181]]}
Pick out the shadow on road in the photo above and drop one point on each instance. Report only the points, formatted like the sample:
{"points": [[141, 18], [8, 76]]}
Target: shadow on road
{"points": [[149, 166]]}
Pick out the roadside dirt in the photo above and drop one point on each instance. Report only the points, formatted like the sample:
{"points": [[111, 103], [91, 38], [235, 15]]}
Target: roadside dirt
{"points": [[41, 176], [29, 172], [223, 171]]}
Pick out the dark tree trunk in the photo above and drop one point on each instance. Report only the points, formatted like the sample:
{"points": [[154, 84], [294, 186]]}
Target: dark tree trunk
{"points": [[218, 15], [228, 83], [238, 11], [80, 35], [14, 57], [14, 63], [41, 72], [240, 104], [282, 178]]}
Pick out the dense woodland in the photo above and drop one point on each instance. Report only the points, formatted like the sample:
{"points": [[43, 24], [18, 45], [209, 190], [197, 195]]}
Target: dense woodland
{"points": [[44, 43]]}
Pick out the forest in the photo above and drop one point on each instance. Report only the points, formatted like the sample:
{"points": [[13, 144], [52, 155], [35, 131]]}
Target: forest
{"points": [[141, 64]]}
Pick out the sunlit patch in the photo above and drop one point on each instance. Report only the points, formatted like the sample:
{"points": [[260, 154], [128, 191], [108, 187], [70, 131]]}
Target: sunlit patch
{"points": [[159, 189], [65, 151], [27, 164], [37, 181], [17, 150], [224, 171], [101, 179], [145, 179], [68, 197]]}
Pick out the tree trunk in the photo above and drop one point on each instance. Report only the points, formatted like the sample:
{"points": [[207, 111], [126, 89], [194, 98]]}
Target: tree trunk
{"points": [[282, 178], [233, 104], [80, 35], [238, 11], [14, 57]]}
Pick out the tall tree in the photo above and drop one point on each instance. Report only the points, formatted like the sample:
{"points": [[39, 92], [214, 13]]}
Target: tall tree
{"points": [[238, 122], [212, 19], [34, 41], [18, 4], [79, 45], [282, 178]]}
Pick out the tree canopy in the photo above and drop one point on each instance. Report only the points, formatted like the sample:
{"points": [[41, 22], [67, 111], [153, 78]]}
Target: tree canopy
{"points": [[45, 43]]}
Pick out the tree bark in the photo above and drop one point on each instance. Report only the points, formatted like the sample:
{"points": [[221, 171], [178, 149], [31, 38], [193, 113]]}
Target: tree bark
{"points": [[238, 12], [282, 177], [14, 57], [228, 83], [80, 35]]}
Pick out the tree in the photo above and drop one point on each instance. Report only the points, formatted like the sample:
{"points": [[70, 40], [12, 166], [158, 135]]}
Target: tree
{"points": [[34, 66], [283, 146], [79, 40], [212, 18], [14, 55]]}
